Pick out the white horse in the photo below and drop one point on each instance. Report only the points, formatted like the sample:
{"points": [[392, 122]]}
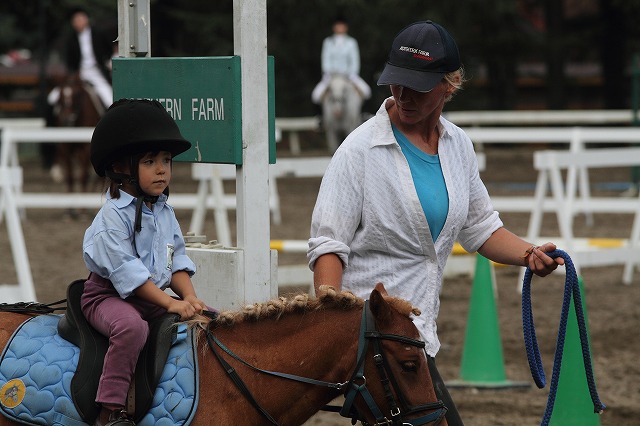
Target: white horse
{"points": [[341, 106]]}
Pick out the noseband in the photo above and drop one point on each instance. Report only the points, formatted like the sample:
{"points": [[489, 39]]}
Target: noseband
{"points": [[357, 385]]}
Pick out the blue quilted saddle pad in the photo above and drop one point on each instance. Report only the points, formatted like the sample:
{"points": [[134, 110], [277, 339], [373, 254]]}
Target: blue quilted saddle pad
{"points": [[37, 366]]}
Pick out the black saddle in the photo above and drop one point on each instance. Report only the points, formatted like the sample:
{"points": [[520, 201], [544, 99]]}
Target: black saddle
{"points": [[75, 328]]}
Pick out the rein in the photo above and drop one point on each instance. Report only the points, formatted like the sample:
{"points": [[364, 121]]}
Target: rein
{"points": [[213, 341], [571, 288], [356, 385], [33, 307]]}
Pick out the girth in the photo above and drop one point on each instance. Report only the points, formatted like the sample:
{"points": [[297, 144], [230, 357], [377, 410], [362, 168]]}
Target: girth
{"points": [[75, 328]]}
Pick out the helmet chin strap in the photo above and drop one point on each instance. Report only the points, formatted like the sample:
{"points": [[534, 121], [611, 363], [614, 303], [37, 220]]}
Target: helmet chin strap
{"points": [[141, 198]]}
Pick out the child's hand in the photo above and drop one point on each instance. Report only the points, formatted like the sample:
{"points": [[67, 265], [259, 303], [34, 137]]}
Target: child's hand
{"points": [[197, 304], [182, 308]]}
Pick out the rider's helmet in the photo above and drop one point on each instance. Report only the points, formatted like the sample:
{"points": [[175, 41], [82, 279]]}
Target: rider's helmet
{"points": [[130, 127]]}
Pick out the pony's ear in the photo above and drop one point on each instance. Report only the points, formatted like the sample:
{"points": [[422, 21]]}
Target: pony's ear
{"points": [[379, 307], [381, 289]]}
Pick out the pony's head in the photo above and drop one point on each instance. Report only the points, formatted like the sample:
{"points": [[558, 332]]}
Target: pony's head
{"points": [[67, 108], [395, 371]]}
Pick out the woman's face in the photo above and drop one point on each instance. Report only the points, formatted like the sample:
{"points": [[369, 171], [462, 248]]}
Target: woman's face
{"points": [[414, 107]]}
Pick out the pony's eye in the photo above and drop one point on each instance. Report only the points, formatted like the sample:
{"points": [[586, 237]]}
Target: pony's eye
{"points": [[409, 366]]}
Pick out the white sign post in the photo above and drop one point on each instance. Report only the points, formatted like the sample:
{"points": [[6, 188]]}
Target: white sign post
{"points": [[250, 43]]}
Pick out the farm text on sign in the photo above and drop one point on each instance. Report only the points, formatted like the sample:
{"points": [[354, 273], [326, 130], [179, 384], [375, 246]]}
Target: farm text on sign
{"points": [[201, 108], [202, 94]]}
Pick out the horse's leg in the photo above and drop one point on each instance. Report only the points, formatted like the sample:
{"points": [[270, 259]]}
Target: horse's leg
{"points": [[84, 163], [67, 152], [69, 169], [329, 122], [64, 154], [56, 171], [332, 139], [354, 110]]}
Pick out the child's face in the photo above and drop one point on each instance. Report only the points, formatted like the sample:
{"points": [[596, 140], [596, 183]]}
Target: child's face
{"points": [[154, 172]]}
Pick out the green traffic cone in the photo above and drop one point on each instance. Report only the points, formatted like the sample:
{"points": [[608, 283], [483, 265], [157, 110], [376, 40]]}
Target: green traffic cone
{"points": [[482, 359], [573, 405]]}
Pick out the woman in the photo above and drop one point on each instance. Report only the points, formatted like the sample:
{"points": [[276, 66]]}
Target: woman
{"points": [[404, 186]]}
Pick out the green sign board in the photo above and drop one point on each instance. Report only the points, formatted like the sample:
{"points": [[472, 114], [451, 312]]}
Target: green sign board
{"points": [[202, 94]]}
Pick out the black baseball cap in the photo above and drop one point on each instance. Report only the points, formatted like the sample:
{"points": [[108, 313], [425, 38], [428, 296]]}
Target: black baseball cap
{"points": [[421, 54]]}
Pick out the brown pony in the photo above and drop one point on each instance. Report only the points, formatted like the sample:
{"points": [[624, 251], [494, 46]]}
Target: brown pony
{"points": [[77, 106], [335, 344]]}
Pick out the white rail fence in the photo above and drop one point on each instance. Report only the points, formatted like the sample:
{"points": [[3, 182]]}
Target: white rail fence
{"points": [[599, 117], [564, 202], [210, 194], [294, 125]]}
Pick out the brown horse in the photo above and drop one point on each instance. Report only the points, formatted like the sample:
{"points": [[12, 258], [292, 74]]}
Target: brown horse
{"points": [[77, 106], [334, 344]]}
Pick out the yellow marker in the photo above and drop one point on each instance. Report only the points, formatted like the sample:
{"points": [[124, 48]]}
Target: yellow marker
{"points": [[277, 245], [606, 242]]}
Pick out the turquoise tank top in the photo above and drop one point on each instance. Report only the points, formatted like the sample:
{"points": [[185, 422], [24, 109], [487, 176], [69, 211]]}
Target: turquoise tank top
{"points": [[428, 179]]}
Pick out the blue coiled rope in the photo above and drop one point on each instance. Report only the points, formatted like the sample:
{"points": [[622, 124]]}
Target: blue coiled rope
{"points": [[571, 288]]}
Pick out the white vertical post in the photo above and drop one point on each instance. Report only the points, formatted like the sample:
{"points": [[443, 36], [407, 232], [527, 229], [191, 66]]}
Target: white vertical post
{"points": [[134, 28], [580, 173], [252, 182], [25, 290]]}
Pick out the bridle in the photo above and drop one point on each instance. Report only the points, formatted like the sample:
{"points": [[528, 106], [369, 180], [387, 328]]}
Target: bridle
{"points": [[358, 383], [67, 108], [399, 409]]}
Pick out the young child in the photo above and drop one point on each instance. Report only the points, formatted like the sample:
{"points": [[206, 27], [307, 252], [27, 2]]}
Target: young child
{"points": [[134, 248]]}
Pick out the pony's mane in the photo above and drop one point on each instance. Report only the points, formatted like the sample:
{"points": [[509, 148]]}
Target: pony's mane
{"points": [[327, 298]]}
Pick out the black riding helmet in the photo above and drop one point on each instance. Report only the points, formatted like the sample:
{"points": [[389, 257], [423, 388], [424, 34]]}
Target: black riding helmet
{"points": [[130, 128], [134, 126]]}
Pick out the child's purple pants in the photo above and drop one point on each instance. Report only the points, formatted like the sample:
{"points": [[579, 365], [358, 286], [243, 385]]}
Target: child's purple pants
{"points": [[124, 322]]}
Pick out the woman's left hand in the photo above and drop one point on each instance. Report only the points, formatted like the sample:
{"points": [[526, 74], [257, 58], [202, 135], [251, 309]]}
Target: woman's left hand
{"points": [[541, 264]]}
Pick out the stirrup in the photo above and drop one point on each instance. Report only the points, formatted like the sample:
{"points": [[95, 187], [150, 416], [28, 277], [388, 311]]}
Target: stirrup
{"points": [[118, 418]]}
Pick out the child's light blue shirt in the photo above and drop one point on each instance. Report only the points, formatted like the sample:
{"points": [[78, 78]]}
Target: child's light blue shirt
{"points": [[108, 245]]}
